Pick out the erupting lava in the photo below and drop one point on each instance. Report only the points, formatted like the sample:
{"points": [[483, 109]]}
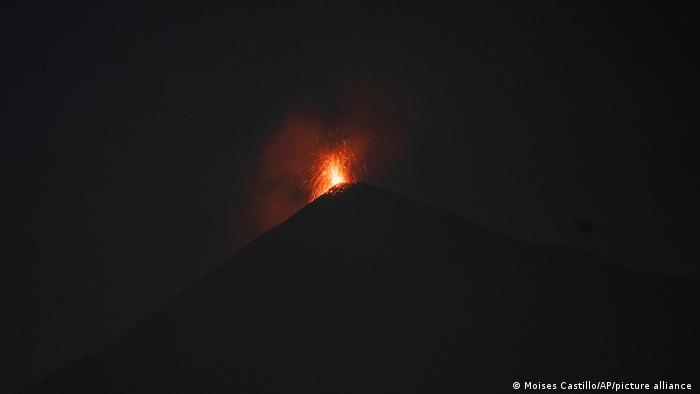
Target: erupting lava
{"points": [[333, 165]]}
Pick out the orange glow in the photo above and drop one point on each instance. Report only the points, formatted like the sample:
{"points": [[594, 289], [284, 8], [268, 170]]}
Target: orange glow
{"points": [[332, 166]]}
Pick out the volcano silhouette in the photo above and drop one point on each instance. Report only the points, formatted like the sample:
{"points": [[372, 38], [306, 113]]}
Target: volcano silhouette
{"points": [[365, 291]]}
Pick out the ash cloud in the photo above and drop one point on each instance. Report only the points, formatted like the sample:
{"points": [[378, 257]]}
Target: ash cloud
{"points": [[276, 188]]}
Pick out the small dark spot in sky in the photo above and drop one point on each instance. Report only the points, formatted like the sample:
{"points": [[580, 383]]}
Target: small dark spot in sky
{"points": [[584, 226]]}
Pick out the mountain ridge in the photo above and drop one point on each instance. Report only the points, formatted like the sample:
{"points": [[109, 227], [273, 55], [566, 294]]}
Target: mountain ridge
{"points": [[365, 290]]}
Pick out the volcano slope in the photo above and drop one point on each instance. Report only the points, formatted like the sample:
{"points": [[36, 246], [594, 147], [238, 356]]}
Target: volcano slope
{"points": [[364, 291]]}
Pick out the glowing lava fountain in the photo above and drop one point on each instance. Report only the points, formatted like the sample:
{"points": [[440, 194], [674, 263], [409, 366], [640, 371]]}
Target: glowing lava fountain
{"points": [[333, 165]]}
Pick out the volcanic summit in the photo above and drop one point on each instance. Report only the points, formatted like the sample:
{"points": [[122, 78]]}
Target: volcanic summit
{"points": [[367, 291]]}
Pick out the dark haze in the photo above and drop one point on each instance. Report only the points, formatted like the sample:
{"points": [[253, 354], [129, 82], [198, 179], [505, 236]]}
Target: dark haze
{"points": [[142, 146]]}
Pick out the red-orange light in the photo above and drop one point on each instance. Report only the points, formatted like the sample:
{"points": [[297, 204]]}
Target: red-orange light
{"points": [[332, 165]]}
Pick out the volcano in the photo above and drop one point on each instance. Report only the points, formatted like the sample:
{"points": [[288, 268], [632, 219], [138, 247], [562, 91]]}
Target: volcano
{"points": [[366, 291]]}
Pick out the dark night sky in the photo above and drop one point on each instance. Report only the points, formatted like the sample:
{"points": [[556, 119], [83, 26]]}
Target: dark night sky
{"points": [[129, 136]]}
